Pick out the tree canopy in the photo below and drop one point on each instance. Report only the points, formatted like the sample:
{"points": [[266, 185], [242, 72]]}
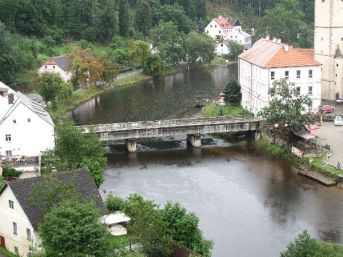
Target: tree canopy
{"points": [[199, 45], [233, 93], [73, 229]]}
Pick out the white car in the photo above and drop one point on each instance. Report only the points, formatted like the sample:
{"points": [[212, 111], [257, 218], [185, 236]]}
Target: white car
{"points": [[338, 121]]}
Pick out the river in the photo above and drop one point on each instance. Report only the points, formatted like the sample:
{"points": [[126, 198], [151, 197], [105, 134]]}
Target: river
{"points": [[249, 203]]}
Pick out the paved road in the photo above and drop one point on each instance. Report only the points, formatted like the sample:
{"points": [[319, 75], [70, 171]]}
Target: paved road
{"points": [[333, 136]]}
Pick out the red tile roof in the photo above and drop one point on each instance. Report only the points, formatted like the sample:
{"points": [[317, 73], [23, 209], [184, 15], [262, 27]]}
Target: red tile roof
{"points": [[269, 54], [51, 61], [223, 22]]}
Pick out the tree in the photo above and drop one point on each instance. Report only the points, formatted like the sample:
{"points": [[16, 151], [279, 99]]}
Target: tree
{"points": [[147, 227], [51, 87], [139, 52], [169, 42], [123, 17], [285, 21], [73, 229], [73, 150], [305, 246], [287, 108], [199, 45], [143, 20], [155, 65], [183, 227], [233, 93], [235, 50]]}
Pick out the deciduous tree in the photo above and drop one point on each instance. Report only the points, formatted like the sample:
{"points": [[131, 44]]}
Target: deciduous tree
{"points": [[199, 45], [233, 93]]}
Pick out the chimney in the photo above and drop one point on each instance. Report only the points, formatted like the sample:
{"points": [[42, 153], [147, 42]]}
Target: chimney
{"points": [[286, 47], [10, 98], [267, 38]]}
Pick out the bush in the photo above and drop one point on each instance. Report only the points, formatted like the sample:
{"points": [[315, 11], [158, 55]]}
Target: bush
{"points": [[115, 203], [8, 171]]}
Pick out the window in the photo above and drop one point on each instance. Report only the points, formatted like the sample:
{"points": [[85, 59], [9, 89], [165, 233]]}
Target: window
{"points": [[298, 90], [286, 74], [310, 73], [8, 154], [310, 90], [46, 67], [298, 74], [8, 138], [14, 121], [272, 75], [53, 67], [11, 204], [28, 234], [15, 232], [28, 119], [16, 251], [221, 45]]}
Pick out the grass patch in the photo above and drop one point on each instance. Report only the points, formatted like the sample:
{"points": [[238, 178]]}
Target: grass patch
{"points": [[214, 110], [118, 242], [319, 165], [7, 253], [130, 80]]}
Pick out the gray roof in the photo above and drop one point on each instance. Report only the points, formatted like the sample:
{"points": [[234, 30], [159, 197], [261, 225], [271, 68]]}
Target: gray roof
{"points": [[63, 62], [81, 179], [32, 105], [233, 21]]}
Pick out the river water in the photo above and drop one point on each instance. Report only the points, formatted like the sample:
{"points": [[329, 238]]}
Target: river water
{"points": [[249, 203]]}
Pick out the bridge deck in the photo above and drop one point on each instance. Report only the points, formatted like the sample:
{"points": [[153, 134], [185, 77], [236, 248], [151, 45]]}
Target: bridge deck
{"points": [[165, 128]]}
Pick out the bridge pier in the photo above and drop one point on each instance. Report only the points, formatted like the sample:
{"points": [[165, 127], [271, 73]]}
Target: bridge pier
{"points": [[131, 145], [194, 140]]}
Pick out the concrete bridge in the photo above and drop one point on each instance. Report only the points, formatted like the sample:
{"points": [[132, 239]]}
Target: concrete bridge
{"points": [[192, 127]]}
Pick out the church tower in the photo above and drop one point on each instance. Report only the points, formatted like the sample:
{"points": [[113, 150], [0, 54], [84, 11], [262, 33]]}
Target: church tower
{"points": [[328, 46]]}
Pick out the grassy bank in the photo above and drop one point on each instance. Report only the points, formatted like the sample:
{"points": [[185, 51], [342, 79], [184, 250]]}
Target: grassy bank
{"points": [[214, 110], [315, 164], [7, 253]]}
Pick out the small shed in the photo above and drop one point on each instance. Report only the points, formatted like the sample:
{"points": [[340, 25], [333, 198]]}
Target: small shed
{"points": [[117, 223]]}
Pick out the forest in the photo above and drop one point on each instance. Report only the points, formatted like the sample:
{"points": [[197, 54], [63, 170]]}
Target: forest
{"points": [[32, 30]]}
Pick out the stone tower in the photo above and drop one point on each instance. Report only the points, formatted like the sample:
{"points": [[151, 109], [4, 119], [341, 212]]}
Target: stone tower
{"points": [[328, 46]]}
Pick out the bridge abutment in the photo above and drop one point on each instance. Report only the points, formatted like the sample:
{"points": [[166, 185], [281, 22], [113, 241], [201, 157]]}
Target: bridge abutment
{"points": [[257, 135], [194, 140], [131, 145]]}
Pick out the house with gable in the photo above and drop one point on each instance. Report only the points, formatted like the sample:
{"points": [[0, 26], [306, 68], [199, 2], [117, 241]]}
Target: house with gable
{"points": [[269, 60], [26, 129], [228, 29], [59, 65], [19, 217]]}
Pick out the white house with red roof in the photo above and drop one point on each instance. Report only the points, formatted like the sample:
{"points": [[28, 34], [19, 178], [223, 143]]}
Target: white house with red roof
{"points": [[270, 60], [59, 65], [228, 29]]}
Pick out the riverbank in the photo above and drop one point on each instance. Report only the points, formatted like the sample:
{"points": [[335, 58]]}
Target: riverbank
{"points": [[313, 168]]}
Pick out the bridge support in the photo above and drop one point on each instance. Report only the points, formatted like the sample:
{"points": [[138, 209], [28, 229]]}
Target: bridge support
{"points": [[257, 135], [131, 145], [194, 140]]}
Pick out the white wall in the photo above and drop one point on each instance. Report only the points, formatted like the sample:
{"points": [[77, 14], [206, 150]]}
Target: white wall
{"points": [[214, 30], [27, 138], [256, 81], [221, 49], [66, 76], [7, 216]]}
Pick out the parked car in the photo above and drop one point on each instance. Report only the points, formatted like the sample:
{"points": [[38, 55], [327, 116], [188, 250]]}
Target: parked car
{"points": [[327, 108], [339, 101], [338, 121]]}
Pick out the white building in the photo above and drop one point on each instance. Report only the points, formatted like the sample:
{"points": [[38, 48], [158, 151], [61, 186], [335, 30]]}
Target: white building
{"points": [[58, 65], [228, 29], [221, 49], [270, 60], [26, 129], [19, 218], [328, 46]]}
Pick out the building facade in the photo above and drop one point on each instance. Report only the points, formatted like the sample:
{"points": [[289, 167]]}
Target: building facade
{"points": [[228, 29], [269, 61], [58, 65], [328, 46], [26, 129]]}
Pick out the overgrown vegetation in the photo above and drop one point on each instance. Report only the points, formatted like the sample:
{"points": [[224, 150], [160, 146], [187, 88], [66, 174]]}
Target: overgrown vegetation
{"points": [[157, 229], [214, 110], [8, 171]]}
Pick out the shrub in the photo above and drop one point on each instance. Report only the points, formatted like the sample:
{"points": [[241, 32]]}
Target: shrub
{"points": [[10, 172]]}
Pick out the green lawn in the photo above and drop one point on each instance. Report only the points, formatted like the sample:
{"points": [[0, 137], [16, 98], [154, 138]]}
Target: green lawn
{"points": [[7, 253], [118, 242], [319, 165], [214, 110]]}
